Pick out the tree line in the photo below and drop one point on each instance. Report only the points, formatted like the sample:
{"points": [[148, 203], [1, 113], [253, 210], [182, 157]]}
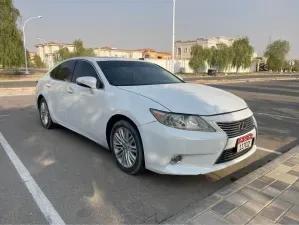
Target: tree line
{"points": [[240, 55]]}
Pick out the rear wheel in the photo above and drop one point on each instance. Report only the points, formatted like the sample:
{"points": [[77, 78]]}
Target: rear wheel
{"points": [[45, 116], [127, 147]]}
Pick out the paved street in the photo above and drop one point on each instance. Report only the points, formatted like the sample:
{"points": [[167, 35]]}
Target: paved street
{"points": [[236, 77], [83, 184]]}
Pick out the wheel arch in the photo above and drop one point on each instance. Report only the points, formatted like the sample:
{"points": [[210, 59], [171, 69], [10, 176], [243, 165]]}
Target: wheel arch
{"points": [[113, 120], [40, 97]]}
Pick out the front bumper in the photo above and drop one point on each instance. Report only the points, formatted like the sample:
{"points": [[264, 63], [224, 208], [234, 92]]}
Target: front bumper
{"points": [[200, 150]]}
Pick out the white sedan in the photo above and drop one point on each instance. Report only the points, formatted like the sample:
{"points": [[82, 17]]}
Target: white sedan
{"points": [[148, 117]]}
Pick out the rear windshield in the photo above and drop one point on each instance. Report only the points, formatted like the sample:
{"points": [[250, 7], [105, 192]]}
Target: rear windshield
{"points": [[126, 73]]}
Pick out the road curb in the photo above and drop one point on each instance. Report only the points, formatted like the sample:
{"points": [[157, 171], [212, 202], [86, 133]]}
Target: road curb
{"points": [[200, 207]]}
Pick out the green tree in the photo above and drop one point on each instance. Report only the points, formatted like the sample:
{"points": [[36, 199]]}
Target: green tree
{"points": [[11, 44], [296, 66], [222, 57], [79, 50], [62, 54], [29, 63], [208, 55], [198, 57], [276, 53], [243, 53], [78, 47], [38, 62]]}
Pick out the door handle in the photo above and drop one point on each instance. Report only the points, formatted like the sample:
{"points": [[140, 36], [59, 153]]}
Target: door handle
{"points": [[70, 90], [48, 85]]}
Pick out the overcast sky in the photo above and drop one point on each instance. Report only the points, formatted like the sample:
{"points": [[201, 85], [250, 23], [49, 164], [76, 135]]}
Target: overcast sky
{"points": [[132, 24]]}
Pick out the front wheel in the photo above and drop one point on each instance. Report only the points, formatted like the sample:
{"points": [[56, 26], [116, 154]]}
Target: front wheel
{"points": [[126, 145]]}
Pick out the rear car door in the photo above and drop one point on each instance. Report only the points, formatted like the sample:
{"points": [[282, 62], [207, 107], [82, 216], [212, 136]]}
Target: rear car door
{"points": [[61, 76]]}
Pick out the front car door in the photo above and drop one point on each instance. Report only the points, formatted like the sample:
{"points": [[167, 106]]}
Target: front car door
{"points": [[85, 106], [62, 76]]}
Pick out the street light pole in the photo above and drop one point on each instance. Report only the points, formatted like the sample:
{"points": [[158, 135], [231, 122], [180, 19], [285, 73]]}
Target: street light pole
{"points": [[173, 35], [36, 17]]}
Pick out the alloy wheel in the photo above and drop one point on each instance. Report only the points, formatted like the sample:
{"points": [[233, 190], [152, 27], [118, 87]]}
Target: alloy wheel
{"points": [[44, 113], [124, 146]]}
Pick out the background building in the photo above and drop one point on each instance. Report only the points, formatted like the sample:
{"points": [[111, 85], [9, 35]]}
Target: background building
{"points": [[146, 53], [149, 53], [114, 52], [183, 48], [47, 51]]}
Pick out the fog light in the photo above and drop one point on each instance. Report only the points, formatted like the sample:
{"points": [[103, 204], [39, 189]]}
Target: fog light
{"points": [[176, 159]]}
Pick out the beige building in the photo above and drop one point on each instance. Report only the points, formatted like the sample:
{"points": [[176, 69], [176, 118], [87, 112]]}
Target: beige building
{"points": [[114, 52], [183, 48], [47, 51]]}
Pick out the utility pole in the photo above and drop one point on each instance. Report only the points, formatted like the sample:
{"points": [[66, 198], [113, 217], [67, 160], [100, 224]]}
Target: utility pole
{"points": [[24, 41], [173, 36]]}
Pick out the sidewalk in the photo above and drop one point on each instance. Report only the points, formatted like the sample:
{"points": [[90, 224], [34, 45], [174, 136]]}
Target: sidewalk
{"points": [[269, 195], [16, 91]]}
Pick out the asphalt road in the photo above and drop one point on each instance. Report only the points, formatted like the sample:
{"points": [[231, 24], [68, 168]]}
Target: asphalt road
{"points": [[83, 184], [15, 84], [240, 77]]}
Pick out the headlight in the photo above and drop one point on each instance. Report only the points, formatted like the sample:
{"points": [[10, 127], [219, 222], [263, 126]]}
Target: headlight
{"points": [[182, 121]]}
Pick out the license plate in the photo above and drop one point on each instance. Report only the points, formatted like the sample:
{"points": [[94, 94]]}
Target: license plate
{"points": [[244, 142]]}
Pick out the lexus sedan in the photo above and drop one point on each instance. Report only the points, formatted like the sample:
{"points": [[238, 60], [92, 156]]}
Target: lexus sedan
{"points": [[148, 117]]}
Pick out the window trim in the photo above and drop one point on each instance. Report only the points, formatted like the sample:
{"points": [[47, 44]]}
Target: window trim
{"points": [[69, 60], [100, 79]]}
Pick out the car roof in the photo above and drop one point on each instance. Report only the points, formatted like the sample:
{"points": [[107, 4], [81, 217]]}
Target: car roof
{"points": [[95, 59]]}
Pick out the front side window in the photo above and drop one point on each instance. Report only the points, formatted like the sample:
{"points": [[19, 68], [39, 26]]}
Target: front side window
{"points": [[63, 71], [131, 73], [85, 69]]}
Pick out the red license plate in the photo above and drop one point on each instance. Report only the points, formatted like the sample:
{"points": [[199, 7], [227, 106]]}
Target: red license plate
{"points": [[245, 138], [244, 142]]}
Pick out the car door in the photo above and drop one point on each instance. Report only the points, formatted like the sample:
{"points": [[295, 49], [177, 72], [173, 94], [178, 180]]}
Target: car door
{"points": [[86, 106], [60, 77]]}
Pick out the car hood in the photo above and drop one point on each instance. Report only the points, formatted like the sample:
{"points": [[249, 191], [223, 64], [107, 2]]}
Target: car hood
{"points": [[190, 98]]}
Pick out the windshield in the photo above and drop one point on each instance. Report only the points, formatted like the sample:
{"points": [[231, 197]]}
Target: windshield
{"points": [[130, 73]]}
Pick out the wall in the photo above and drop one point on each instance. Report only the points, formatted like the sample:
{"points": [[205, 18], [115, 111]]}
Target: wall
{"points": [[182, 66], [179, 65], [118, 53]]}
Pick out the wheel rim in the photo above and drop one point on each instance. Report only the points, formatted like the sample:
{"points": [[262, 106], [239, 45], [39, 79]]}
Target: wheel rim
{"points": [[124, 146], [44, 113]]}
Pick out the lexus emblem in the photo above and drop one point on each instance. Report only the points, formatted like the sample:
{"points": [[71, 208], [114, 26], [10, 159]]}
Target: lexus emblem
{"points": [[242, 126]]}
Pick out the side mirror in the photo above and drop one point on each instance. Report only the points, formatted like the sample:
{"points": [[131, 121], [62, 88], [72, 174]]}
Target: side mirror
{"points": [[90, 82]]}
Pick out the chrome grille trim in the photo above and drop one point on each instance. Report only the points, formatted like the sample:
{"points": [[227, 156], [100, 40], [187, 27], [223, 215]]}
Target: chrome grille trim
{"points": [[232, 129]]}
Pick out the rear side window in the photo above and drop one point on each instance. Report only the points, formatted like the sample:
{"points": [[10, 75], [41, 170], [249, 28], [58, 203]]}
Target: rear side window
{"points": [[64, 71], [85, 69]]}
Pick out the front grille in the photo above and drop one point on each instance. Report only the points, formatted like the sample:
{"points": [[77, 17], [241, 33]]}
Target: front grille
{"points": [[230, 154], [233, 129]]}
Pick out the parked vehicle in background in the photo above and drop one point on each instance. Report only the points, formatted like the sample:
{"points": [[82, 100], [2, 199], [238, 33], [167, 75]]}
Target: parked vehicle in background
{"points": [[148, 117]]}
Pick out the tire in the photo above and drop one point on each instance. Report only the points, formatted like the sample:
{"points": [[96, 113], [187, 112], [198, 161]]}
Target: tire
{"points": [[44, 115], [125, 136]]}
